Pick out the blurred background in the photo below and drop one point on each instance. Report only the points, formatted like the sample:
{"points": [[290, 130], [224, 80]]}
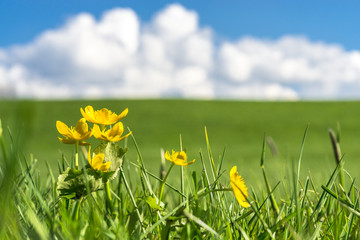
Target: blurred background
{"points": [[241, 68]]}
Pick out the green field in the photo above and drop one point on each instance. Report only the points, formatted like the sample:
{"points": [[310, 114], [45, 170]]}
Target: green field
{"points": [[202, 200], [235, 125]]}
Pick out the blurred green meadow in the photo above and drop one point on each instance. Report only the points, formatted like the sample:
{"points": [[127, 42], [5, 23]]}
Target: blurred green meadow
{"points": [[236, 127]]}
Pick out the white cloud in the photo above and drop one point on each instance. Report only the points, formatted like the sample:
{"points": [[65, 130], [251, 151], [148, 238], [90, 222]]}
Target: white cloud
{"points": [[175, 23], [120, 56]]}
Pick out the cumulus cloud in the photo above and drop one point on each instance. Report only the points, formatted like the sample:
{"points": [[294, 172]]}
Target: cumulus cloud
{"points": [[172, 56]]}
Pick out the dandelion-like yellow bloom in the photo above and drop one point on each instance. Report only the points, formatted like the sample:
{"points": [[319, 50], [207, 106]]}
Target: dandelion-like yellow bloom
{"points": [[103, 116], [97, 162], [239, 188], [111, 135], [178, 158], [73, 134]]}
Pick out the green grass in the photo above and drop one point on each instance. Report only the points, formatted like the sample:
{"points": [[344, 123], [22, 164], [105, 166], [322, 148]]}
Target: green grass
{"points": [[238, 126], [205, 208]]}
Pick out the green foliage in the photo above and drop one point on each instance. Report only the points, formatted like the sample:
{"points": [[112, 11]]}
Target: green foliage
{"points": [[74, 183], [113, 153], [153, 203]]}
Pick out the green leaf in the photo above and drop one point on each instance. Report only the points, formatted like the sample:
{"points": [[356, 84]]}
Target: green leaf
{"points": [[72, 182], [112, 153], [153, 203]]}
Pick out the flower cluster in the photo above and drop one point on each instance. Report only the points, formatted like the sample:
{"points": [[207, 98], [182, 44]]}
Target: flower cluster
{"points": [[78, 134], [106, 158]]}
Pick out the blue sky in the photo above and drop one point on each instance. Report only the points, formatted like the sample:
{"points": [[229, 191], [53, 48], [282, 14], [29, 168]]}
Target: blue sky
{"points": [[193, 49], [323, 20]]}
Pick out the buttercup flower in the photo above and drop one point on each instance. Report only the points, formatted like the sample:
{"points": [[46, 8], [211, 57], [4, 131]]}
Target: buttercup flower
{"points": [[103, 116], [97, 162], [178, 158], [239, 188], [73, 134], [111, 135]]}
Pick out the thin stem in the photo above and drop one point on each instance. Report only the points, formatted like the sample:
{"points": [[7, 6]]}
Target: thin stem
{"points": [[132, 198], [182, 182], [182, 174], [163, 182], [77, 155], [109, 204], [107, 189]]}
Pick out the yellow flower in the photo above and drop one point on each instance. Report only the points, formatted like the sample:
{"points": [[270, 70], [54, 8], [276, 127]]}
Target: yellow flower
{"points": [[178, 158], [72, 135], [239, 188], [111, 135], [103, 116], [97, 162]]}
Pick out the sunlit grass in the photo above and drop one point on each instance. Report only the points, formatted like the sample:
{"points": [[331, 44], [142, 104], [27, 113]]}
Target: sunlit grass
{"points": [[197, 203]]}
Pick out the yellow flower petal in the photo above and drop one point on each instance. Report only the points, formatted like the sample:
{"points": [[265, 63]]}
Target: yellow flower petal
{"points": [[105, 167], [96, 131], [111, 135], [97, 162], [117, 129], [63, 129], [167, 156], [123, 114], [118, 138], [239, 188], [72, 141], [103, 116], [178, 158], [67, 140], [79, 133], [186, 163], [88, 113], [81, 130]]}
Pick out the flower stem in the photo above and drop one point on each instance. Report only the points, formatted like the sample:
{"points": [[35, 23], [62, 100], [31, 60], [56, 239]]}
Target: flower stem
{"points": [[108, 192], [77, 155], [109, 205]]}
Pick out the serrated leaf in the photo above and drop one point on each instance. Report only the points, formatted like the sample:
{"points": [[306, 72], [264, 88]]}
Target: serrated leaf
{"points": [[72, 183]]}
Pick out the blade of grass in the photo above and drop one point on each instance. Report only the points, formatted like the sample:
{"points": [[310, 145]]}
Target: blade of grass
{"points": [[142, 169], [182, 174], [337, 153], [221, 161], [206, 175], [348, 232], [132, 198], [268, 188], [212, 164], [296, 184], [322, 198], [343, 201], [201, 223]]}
